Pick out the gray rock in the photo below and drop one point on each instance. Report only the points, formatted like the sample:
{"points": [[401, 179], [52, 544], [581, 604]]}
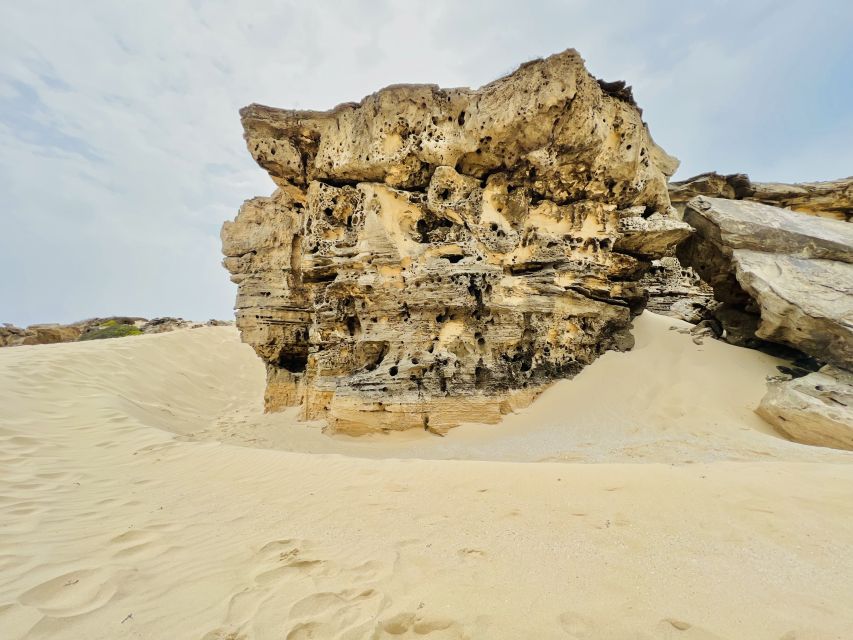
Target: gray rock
{"points": [[790, 272], [741, 224], [805, 304]]}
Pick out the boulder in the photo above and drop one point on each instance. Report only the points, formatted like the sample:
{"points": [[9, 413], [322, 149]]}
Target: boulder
{"points": [[805, 304], [164, 325], [734, 186], [790, 272], [427, 245], [816, 409]]}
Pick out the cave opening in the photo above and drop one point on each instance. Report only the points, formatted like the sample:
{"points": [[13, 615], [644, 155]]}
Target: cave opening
{"points": [[293, 358]]}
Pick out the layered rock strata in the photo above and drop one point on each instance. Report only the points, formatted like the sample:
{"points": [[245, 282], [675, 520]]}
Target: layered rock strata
{"points": [[672, 288], [427, 246], [677, 291]]}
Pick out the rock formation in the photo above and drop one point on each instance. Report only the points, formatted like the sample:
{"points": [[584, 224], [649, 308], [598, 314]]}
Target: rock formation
{"points": [[785, 278], [831, 199], [677, 291], [782, 276], [674, 289], [11, 335], [427, 245], [816, 409]]}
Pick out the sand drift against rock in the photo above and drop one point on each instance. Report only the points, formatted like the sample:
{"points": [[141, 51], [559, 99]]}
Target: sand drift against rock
{"points": [[428, 244]]}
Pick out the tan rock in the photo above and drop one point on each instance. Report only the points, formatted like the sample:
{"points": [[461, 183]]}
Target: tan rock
{"points": [[427, 245], [831, 199], [816, 409]]}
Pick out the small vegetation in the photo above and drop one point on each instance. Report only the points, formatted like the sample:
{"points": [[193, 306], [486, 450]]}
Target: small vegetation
{"points": [[111, 329]]}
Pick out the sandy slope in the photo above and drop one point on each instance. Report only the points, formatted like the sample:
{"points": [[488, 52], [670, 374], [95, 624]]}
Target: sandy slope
{"points": [[121, 516]]}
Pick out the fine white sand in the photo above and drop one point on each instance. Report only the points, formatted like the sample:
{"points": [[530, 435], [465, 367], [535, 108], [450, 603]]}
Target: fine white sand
{"points": [[143, 494]]}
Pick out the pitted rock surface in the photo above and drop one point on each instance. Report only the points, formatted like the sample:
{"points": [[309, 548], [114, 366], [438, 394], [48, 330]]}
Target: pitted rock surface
{"points": [[433, 256]]}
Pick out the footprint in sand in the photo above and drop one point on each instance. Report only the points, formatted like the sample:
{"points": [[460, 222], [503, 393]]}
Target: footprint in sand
{"points": [[134, 543], [281, 558], [72, 594], [575, 625], [677, 628], [222, 634], [344, 614], [413, 625]]}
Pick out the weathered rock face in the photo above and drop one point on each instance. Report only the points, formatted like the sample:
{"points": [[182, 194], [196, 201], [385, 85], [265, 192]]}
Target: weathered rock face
{"points": [[816, 409], [428, 244], [677, 291], [830, 199], [790, 272]]}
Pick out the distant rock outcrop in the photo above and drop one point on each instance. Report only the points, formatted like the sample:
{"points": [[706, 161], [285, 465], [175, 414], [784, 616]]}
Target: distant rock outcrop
{"points": [[427, 245], [92, 329], [11, 335], [830, 199]]}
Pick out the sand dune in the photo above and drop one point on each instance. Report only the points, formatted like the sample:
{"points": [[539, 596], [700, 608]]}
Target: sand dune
{"points": [[126, 510]]}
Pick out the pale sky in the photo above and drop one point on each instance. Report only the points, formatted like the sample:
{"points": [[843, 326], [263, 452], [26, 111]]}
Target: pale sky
{"points": [[121, 151]]}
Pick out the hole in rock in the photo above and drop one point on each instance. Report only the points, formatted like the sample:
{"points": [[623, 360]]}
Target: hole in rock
{"points": [[481, 376], [376, 353], [353, 325], [294, 358]]}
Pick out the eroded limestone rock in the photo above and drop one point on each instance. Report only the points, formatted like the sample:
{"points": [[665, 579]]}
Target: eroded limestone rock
{"points": [[677, 291], [433, 256]]}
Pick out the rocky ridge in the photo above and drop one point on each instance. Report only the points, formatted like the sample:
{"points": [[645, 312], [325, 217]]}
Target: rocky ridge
{"points": [[829, 199], [676, 290], [93, 329], [427, 245]]}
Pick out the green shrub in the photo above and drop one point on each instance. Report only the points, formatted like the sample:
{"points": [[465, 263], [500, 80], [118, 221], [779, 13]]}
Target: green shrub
{"points": [[111, 329]]}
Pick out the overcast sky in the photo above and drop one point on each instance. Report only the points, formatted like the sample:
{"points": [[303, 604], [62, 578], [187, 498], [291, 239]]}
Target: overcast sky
{"points": [[121, 151]]}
